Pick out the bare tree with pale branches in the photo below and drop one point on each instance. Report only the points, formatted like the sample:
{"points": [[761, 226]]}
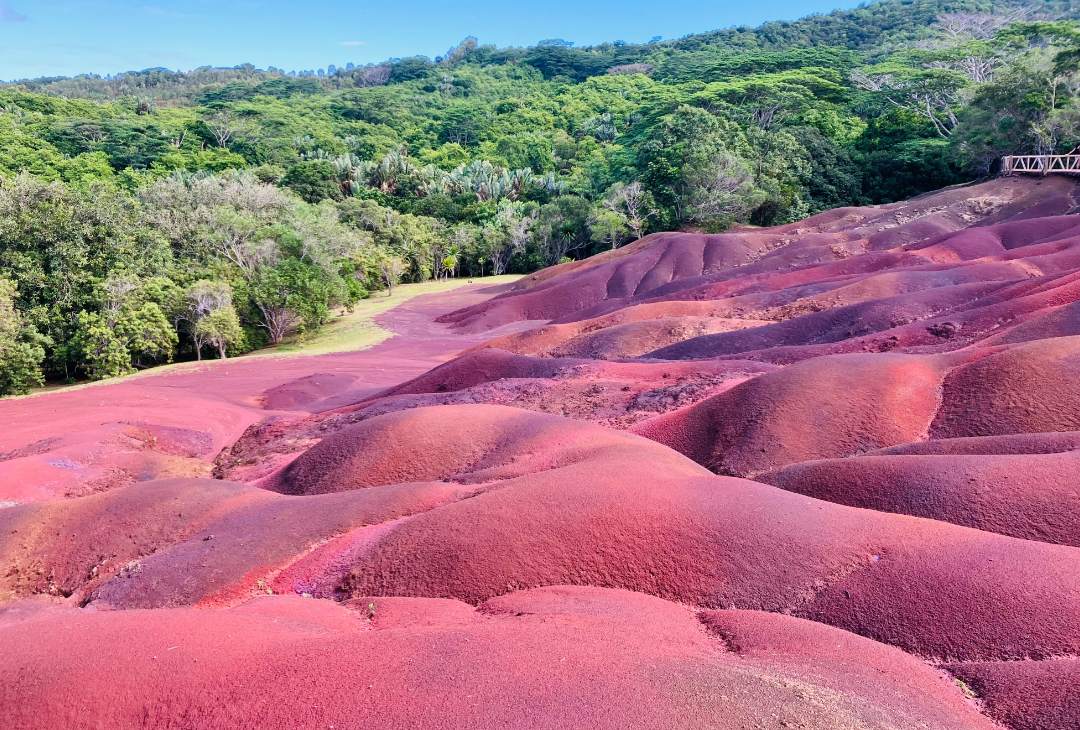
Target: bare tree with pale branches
{"points": [[634, 202], [222, 125]]}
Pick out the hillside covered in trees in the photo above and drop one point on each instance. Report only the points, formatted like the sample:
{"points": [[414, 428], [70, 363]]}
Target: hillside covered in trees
{"points": [[158, 215]]}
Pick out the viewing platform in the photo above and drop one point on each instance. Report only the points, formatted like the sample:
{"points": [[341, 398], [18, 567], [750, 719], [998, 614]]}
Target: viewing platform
{"points": [[1040, 164]]}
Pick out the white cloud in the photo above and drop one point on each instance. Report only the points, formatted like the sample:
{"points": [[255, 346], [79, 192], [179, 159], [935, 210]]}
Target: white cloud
{"points": [[353, 44]]}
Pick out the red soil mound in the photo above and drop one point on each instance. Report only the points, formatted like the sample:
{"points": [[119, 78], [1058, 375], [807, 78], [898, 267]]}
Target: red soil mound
{"points": [[832, 325], [552, 501], [826, 407], [1060, 321], [1027, 695], [482, 366], [663, 265], [1019, 443], [558, 658], [469, 444], [1028, 388], [627, 332], [568, 510], [927, 587], [488, 365], [615, 394], [621, 275], [306, 390], [182, 541], [637, 338], [56, 548], [558, 385], [1033, 496]]}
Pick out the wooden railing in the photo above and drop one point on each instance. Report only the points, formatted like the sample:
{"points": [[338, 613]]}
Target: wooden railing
{"points": [[1041, 164]]}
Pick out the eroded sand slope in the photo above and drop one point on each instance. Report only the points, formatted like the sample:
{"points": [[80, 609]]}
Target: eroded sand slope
{"points": [[822, 476]]}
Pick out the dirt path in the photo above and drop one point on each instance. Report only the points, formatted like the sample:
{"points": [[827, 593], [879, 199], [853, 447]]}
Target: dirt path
{"points": [[73, 442]]}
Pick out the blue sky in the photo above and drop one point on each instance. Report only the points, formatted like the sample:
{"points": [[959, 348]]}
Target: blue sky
{"points": [[66, 37]]}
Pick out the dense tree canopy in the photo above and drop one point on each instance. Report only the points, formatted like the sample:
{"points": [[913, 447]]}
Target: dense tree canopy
{"points": [[159, 215]]}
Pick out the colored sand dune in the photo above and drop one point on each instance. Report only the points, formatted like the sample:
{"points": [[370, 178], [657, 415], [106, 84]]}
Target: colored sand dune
{"points": [[823, 475]]}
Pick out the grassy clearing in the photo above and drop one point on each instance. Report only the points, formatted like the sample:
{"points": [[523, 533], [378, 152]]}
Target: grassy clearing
{"points": [[357, 330], [348, 332]]}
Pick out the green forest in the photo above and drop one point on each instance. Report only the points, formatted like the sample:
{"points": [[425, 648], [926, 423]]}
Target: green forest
{"points": [[156, 215]]}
